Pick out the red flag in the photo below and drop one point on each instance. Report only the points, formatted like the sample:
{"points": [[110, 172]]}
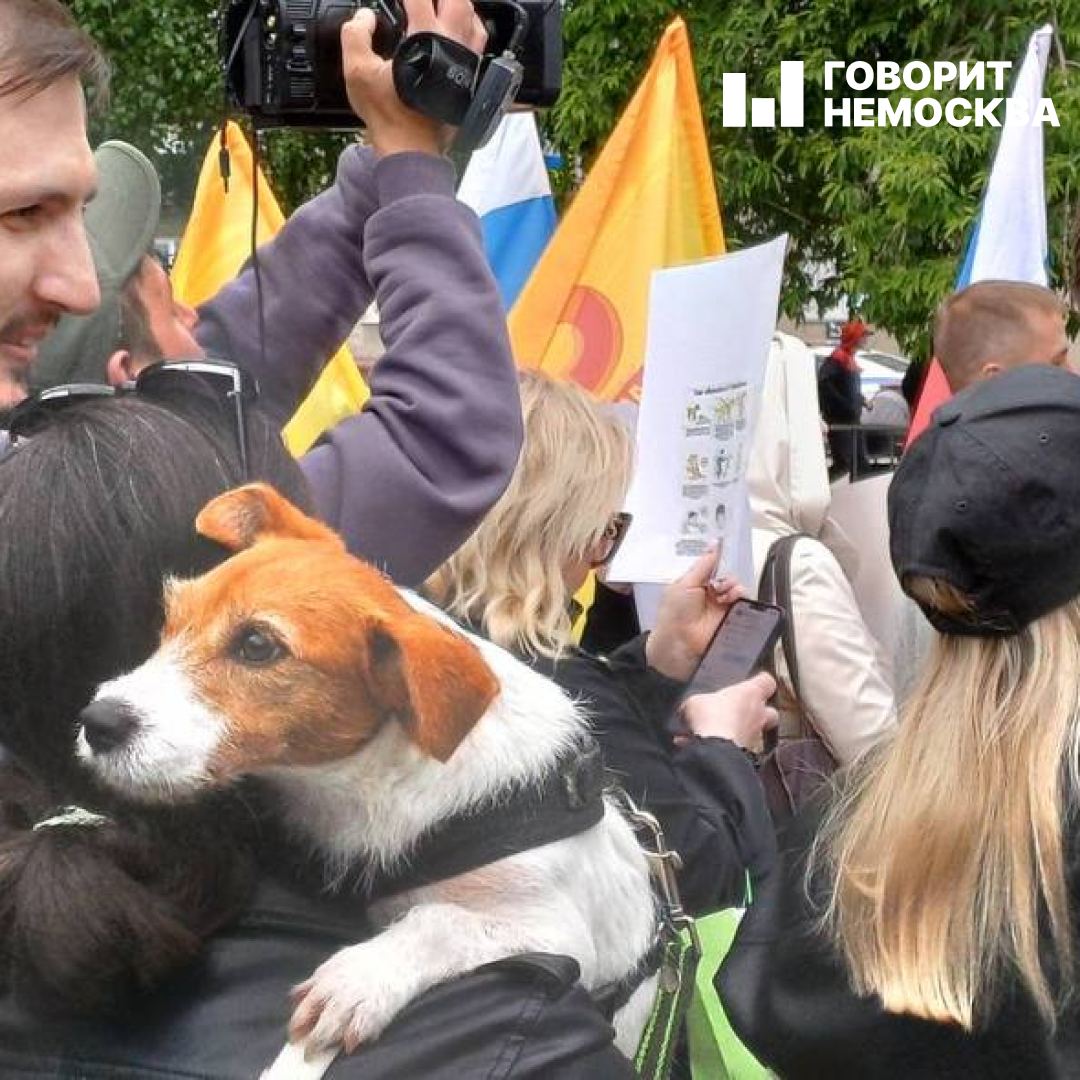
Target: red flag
{"points": [[935, 391]]}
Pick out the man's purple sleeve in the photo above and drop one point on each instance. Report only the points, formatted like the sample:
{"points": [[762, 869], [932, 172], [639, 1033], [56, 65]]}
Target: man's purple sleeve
{"points": [[407, 480]]}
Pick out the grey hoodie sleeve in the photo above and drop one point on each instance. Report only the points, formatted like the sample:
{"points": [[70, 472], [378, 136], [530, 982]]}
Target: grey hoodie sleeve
{"points": [[408, 479], [314, 286]]}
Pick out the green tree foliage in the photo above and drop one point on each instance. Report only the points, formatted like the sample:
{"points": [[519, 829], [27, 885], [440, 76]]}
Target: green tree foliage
{"points": [[167, 99], [888, 208]]}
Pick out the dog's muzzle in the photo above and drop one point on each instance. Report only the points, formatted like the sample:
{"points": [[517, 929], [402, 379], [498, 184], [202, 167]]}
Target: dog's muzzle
{"points": [[108, 724]]}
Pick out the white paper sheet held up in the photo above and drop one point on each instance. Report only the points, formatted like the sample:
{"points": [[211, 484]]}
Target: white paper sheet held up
{"points": [[710, 325]]}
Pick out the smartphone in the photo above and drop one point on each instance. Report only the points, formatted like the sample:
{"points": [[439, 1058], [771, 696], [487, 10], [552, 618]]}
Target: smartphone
{"points": [[739, 647]]}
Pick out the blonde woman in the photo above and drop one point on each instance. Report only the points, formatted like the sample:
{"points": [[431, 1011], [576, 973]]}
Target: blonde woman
{"points": [[514, 581], [927, 929]]}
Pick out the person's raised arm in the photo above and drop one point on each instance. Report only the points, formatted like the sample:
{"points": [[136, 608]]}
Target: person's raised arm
{"points": [[407, 480], [314, 284], [314, 289]]}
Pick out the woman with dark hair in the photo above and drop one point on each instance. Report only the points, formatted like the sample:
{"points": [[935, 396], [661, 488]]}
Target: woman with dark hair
{"points": [[174, 936]]}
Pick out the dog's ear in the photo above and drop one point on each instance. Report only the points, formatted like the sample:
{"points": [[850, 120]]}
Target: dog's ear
{"points": [[244, 516], [434, 681]]}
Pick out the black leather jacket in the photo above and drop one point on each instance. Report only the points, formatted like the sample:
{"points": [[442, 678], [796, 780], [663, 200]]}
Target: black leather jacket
{"points": [[226, 1018], [706, 794]]}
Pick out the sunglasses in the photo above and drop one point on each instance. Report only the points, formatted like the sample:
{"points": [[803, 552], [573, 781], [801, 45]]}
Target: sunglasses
{"points": [[611, 541], [216, 380]]}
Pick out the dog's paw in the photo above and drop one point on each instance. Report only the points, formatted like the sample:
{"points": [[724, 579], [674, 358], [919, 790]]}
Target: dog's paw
{"points": [[348, 1001]]}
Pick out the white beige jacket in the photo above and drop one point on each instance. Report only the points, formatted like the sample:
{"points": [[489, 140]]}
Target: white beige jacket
{"points": [[844, 672]]}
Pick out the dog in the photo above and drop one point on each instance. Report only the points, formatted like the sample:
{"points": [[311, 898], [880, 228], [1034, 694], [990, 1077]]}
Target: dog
{"points": [[373, 718]]}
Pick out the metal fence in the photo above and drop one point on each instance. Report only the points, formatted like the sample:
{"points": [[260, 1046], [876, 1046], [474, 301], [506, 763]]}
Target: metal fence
{"points": [[875, 448]]}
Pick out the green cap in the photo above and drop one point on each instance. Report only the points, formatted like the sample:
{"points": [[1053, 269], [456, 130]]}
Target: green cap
{"points": [[121, 223]]}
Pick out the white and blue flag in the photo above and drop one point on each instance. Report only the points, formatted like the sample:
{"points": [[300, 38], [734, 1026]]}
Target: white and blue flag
{"points": [[507, 184], [1008, 242]]}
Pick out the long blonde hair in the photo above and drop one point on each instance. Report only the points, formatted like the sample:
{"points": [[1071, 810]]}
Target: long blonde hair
{"points": [[572, 477], [945, 851]]}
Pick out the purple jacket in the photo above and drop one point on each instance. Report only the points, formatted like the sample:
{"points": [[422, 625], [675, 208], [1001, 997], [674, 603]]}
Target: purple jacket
{"points": [[409, 478]]}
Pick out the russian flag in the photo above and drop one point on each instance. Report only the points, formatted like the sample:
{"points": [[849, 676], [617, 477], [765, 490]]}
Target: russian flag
{"points": [[506, 183], [1008, 242]]}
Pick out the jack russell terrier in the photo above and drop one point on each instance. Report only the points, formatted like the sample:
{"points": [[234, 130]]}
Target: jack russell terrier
{"points": [[380, 725]]}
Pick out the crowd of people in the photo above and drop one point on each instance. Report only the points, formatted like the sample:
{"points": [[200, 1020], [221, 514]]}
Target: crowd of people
{"points": [[912, 917]]}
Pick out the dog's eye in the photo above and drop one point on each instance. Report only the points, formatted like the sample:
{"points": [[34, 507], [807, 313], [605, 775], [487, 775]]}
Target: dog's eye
{"points": [[257, 647]]}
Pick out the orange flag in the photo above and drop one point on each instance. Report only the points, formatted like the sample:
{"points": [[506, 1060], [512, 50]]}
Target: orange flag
{"points": [[216, 244], [648, 202]]}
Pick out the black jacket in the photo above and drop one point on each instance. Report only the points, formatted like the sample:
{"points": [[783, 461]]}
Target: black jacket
{"points": [[226, 1019], [787, 995], [840, 398], [705, 794], [839, 392]]}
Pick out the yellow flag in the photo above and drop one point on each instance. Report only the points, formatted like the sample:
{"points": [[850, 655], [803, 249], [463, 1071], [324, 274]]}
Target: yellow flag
{"points": [[585, 597], [217, 242], [648, 202]]}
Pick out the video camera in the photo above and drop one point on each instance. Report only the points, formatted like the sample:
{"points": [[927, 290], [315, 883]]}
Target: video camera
{"points": [[283, 62]]}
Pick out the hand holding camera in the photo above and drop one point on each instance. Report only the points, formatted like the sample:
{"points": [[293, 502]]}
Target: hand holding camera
{"points": [[392, 126], [284, 61]]}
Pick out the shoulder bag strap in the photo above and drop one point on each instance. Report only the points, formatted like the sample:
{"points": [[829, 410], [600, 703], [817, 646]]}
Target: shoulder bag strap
{"points": [[775, 588]]}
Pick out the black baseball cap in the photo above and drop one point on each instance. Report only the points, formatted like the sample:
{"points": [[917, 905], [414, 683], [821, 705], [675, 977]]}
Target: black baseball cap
{"points": [[988, 500]]}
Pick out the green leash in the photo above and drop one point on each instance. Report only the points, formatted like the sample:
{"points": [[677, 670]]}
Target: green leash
{"points": [[676, 985], [679, 958], [686, 991]]}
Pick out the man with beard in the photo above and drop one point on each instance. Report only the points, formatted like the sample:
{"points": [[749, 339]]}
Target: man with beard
{"points": [[47, 176], [408, 479]]}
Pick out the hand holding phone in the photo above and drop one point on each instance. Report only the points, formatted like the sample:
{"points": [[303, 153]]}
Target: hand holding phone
{"points": [[740, 646], [740, 713], [690, 611]]}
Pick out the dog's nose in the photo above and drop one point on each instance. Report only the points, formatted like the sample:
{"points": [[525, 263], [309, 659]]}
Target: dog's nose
{"points": [[107, 724]]}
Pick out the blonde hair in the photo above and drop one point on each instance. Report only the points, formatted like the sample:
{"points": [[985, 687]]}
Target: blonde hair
{"points": [[573, 475], [945, 851]]}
